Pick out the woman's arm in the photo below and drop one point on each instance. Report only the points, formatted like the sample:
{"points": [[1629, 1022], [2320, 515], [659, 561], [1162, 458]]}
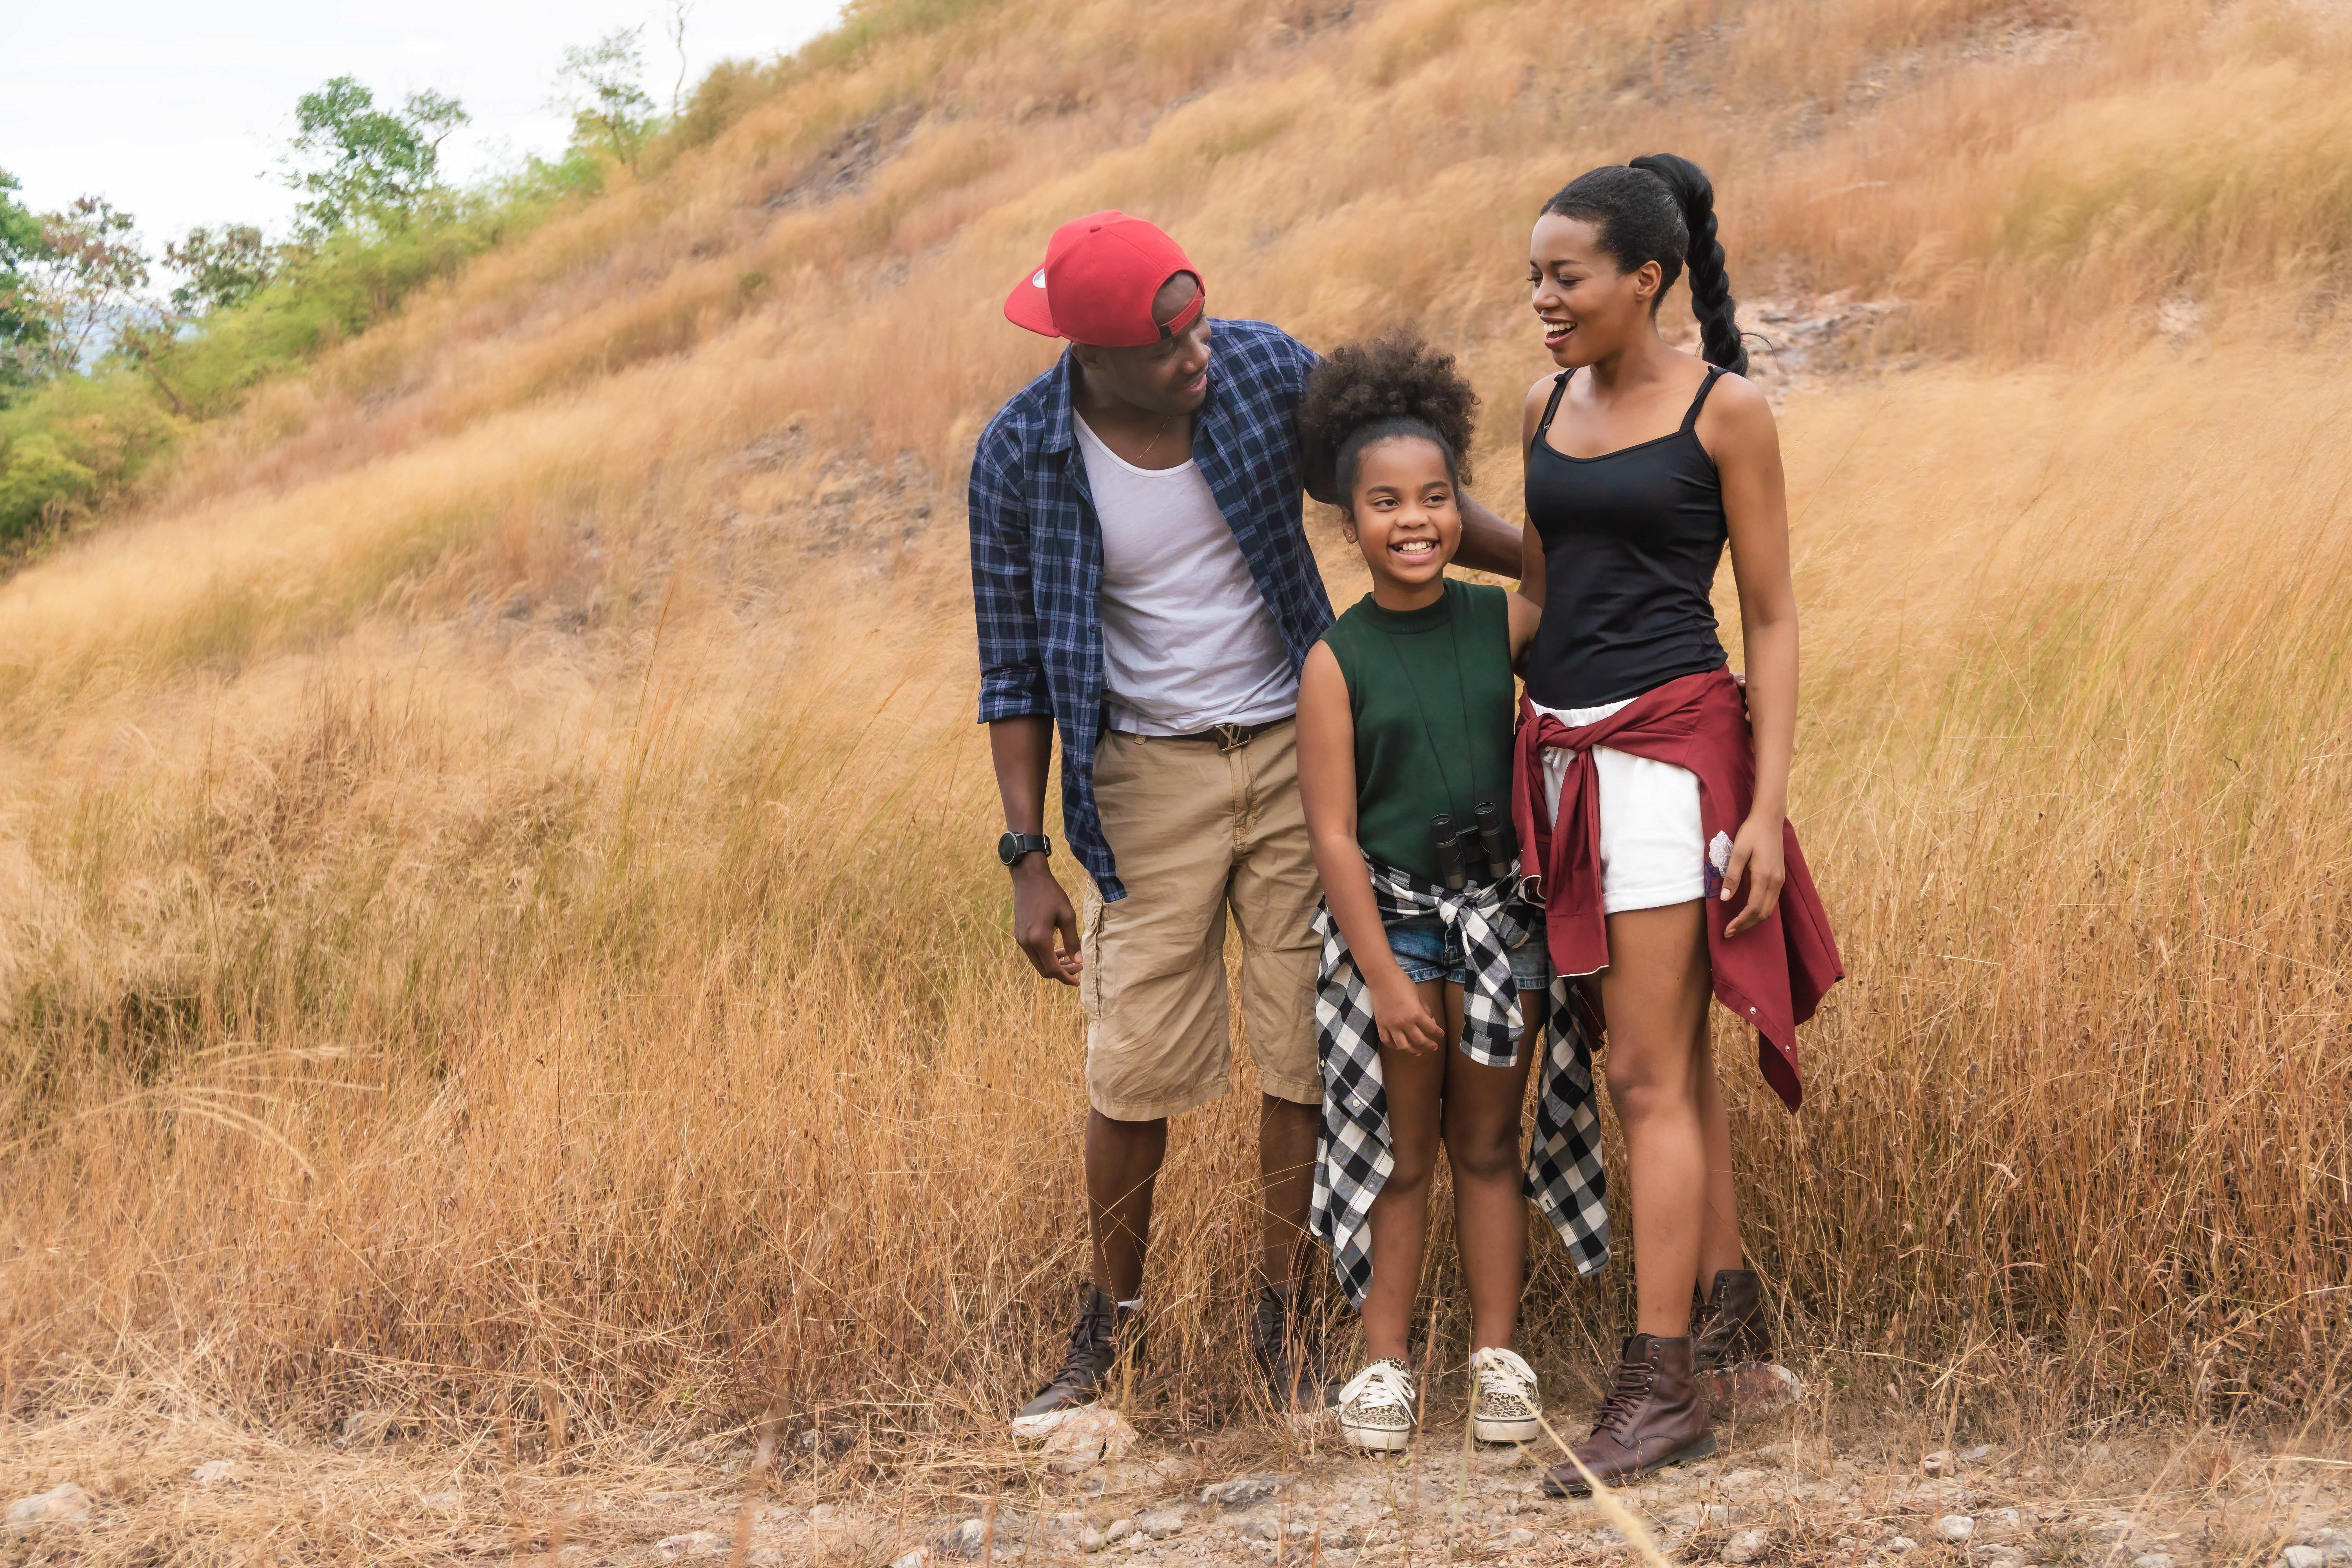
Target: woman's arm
{"points": [[1527, 598], [1737, 431], [1326, 787], [1531, 555]]}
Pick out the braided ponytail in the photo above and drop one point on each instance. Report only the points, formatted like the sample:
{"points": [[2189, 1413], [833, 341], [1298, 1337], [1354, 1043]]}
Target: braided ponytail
{"points": [[1710, 284], [1661, 208]]}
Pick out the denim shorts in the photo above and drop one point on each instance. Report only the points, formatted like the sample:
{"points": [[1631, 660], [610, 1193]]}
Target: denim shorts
{"points": [[1426, 950]]}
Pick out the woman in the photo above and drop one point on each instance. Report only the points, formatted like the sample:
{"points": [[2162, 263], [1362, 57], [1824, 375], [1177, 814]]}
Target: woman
{"points": [[1656, 817]]}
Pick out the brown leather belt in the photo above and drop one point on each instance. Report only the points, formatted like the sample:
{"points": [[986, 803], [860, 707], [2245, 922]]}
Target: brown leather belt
{"points": [[1228, 737]]}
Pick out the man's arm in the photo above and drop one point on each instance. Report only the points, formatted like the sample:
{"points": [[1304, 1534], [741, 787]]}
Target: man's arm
{"points": [[1044, 924], [1013, 705], [1489, 543]]}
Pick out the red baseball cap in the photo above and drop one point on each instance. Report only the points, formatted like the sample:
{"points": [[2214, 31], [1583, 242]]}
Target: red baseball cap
{"points": [[1096, 284]]}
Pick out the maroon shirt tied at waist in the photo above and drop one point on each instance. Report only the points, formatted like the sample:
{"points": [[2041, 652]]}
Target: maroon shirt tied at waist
{"points": [[1773, 974]]}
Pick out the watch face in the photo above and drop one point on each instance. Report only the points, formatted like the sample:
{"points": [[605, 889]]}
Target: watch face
{"points": [[1008, 848]]}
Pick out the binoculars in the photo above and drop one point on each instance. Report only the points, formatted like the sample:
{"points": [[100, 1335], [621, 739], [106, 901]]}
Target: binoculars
{"points": [[1496, 844]]}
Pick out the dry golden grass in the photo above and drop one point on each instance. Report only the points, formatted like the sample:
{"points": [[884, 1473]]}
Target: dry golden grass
{"points": [[498, 920]]}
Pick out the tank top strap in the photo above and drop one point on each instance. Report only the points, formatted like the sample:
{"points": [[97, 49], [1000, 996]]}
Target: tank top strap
{"points": [[1690, 420], [1558, 390]]}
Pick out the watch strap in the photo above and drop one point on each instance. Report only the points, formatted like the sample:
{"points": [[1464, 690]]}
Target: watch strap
{"points": [[1012, 846]]}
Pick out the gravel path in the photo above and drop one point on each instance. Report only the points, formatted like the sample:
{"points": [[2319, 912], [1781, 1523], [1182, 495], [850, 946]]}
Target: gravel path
{"points": [[186, 1492]]}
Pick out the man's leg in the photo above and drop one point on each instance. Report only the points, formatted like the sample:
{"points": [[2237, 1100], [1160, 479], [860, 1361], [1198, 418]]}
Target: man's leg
{"points": [[1285, 1168], [1153, 991], [1122, 1163], [1274, 893]]}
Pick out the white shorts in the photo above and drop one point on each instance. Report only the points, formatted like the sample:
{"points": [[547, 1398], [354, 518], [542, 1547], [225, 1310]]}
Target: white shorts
{"points": [[1652, 850]]}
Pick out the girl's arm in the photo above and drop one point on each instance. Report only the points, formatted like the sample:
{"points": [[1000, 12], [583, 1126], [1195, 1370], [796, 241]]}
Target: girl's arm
{"points": [[1737, 431], [1326, 787], [1526, 615]]}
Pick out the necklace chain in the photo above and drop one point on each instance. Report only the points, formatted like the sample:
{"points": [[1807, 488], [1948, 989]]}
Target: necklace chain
{"points": [[1155, 439]]}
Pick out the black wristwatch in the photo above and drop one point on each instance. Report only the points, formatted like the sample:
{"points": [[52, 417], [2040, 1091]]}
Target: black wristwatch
{"points": [[1012, 846]]}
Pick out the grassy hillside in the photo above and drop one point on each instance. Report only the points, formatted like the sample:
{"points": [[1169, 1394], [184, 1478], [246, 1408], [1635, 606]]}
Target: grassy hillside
{"points": [[495, 909]]}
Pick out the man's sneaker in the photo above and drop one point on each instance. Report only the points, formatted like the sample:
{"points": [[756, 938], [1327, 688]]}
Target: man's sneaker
{"points": [[1507, 1408], [1295, 1374], [1376, 1407], [1103, 1332]]}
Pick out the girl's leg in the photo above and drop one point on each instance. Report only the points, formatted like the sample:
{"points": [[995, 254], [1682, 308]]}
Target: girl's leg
{"points": [[1718, 1242], [1655, 992], [1481, 1141], [1400, 1216]]}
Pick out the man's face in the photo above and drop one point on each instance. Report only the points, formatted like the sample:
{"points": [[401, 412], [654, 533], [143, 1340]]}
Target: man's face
{"points": [[1171, 376]]}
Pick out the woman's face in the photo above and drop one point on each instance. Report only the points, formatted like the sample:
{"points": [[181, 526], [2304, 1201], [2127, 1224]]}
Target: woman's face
{"points": [[1402, 514], [1589, 307]]}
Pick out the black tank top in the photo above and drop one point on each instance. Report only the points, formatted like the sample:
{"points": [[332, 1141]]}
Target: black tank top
{"points": [[1631, 540]]}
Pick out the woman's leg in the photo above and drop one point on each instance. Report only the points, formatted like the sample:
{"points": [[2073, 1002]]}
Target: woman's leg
{"points": [[1481, 1141], [1718, 1243], [1400, 1216], [1655, 992]]}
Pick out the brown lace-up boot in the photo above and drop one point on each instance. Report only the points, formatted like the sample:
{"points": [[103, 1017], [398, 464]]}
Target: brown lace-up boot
{"points": [[1727, 1327], [1653, 1417]]}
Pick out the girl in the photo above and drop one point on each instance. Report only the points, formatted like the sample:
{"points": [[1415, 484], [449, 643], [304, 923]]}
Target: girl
{"points": [[1405, 713], [1655, 818]]}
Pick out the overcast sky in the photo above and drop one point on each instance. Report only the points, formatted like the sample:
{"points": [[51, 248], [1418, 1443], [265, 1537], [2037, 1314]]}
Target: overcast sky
{"points": [[178, 113]]}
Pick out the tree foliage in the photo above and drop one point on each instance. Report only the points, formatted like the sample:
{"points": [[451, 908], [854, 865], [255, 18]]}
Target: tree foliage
{"points": [[24, 325], [88, 282], [223, 268], [99, 377], [598, 83], [368, 167]]}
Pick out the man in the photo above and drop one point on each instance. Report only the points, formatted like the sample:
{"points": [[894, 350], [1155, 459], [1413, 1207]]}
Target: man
{"points": [[1144, 584]]}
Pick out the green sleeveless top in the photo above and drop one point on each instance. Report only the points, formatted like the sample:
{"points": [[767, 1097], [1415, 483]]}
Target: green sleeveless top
{"points": [[1434, 706]]}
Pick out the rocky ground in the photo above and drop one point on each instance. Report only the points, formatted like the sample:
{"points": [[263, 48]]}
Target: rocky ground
{"points": [[1780, 1491]]}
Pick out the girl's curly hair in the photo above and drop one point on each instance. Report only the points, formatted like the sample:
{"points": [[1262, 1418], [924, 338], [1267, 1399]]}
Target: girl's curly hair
{"points": [[1393, 385]]}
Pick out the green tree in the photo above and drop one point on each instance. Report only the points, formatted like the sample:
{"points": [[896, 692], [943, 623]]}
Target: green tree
{"points": [[223, 268], [87, 284], [24, 325], [367, 165], [598, 84]]}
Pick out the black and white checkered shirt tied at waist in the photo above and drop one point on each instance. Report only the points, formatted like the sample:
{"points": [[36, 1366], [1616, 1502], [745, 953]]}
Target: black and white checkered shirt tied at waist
{"points": [[1355, 1155]]}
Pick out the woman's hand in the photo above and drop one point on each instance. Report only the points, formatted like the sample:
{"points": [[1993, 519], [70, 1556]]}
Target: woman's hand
{"points": [[1404, 1019], [1758, 860]]}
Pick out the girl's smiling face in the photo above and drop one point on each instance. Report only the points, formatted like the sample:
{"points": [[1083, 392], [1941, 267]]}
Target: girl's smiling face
{"points": [[1402, 515], [1589, 307]]}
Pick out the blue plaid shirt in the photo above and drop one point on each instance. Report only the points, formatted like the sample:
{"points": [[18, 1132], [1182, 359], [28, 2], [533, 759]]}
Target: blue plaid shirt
{"points": [[1038, 555]]}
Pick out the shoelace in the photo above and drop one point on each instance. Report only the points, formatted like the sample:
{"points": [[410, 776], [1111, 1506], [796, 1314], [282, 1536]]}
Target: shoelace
{"points": [[1631, 1386], [1382, 1384], [1503, 1372], [1086, 1342]]}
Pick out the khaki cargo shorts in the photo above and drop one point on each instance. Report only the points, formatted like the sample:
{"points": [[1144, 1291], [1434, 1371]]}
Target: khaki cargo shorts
{"points": [[1199, 832]]}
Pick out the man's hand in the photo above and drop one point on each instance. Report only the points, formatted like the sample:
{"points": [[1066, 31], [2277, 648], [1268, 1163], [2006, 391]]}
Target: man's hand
{"points": [[1044, 924], [1043, 921], [1489, 543]]}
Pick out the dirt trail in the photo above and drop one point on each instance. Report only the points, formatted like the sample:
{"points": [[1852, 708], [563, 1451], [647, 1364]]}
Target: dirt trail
{"points": [[124, 1487]]}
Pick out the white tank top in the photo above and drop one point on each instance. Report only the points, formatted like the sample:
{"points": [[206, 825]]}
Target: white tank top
{"points": [[1188, 641]]}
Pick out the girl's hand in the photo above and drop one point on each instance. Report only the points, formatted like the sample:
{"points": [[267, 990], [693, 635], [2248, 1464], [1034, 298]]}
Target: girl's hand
{"points": [[1755, 858], [1404, 1020]]}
